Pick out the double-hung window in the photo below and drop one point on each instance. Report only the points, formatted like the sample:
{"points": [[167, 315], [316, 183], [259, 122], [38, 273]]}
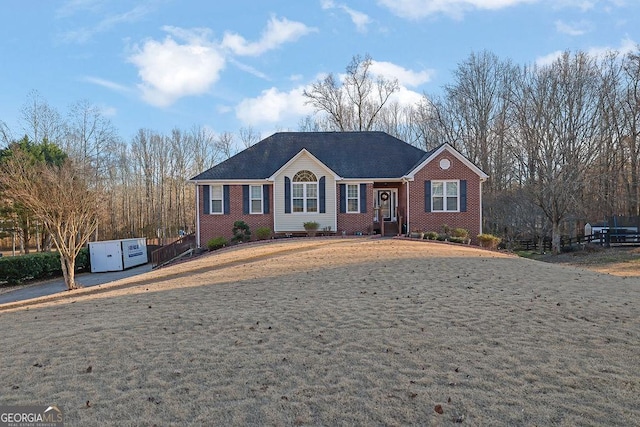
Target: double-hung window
{"points": [[255, 201], [445, 196], [304, 192], [217, 204], [353, 198]]}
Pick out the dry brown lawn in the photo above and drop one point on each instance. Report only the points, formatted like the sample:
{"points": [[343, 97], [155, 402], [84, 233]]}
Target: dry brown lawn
{"points": [[335, 332], [619, 261]]}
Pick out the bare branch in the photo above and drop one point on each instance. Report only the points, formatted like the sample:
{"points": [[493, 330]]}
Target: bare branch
{"points": [[59, 197]]}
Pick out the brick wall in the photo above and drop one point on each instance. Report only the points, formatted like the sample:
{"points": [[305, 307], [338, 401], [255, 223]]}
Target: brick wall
{"points": [[221, 225], [433, 221], [352, 223]]}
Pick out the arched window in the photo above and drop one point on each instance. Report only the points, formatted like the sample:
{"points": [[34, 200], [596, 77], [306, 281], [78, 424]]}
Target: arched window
{"points": [[305, 176], [304, 194]]}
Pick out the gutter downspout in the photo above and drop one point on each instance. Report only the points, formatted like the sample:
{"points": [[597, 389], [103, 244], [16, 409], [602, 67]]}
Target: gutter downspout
{"points": [[197, 216], [406, 182], [481, 207]]}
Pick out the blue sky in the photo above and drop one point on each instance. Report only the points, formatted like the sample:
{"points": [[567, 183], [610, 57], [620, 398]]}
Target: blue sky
{"points": [[223, 65]]}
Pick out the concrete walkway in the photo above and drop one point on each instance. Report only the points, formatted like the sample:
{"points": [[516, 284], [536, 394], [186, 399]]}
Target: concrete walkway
{"points": [[55, 286]]}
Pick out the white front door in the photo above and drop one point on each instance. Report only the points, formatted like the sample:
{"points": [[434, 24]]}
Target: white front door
{"points": [[387, 200]]}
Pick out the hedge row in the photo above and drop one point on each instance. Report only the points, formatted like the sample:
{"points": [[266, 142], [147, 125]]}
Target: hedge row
{"points": [[38, 266]]}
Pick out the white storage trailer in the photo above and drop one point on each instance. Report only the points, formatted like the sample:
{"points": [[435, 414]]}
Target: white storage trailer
{"points": [[117, 255]]}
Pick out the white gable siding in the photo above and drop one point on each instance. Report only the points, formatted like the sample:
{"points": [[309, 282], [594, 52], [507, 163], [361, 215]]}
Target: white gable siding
{"points": [[293, 221]]}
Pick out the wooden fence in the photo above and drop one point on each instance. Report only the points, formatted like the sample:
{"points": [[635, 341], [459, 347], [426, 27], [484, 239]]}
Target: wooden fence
{"points": [[168, 252], [608, 239]]}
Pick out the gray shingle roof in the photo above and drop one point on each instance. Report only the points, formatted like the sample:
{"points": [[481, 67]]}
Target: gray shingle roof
{"points": [[348, 154]]}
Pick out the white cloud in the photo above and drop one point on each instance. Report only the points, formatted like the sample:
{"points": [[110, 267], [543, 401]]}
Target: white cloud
{"points": [[548, 59], [573, 28], [108, 111], [188, 62], [224, 109], [416, 9], [71, 7], [627, 45], [107, 84], [583, 5], [249, 69], [360, 19], [170, 70], [406, 97], [83, 35], [278, 32], [405, 77], [273, 106]]}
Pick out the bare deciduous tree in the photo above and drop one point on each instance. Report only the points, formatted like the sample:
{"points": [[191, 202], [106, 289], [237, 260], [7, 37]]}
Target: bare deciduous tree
{"points": [[478, 106], [248, 136], [557, 114], [60, 197], [434, 123], [205, 152], [5, 134], [40, 120], [631, 141], [354, 102], [224, 144]]}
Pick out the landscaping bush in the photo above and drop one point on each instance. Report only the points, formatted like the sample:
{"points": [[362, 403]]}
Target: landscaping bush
{"points": [[241, 232], [83, 262], [459, 235], [311, 227], [458, 240], [217, 243], [263, 233], [430, 235], [489, 241], [462, 233], [41, 265]]}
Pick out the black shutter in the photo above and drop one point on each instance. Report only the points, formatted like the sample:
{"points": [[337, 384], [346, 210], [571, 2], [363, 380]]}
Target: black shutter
{"points": [[227, 199], [265, 198], [287, 195], [245, 199], [363, 198], [321, 189], [206, 199], [427, 196], [463, 195], [343, 198]]}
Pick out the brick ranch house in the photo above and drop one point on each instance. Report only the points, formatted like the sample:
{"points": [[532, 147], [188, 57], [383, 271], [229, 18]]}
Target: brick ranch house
{"points": [[348, 182]]}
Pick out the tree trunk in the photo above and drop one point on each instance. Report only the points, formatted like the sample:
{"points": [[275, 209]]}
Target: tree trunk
{"points": [[69, 272], [38, 243], [555, 237], [25, 239], [541, 244]]}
